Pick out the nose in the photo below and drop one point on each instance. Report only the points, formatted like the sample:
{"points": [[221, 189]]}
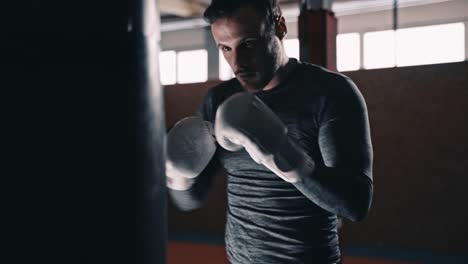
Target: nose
{"points": [[240, 60]]}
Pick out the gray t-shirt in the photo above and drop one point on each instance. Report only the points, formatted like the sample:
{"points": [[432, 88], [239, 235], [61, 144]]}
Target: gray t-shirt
{"points": [[268, 219]]}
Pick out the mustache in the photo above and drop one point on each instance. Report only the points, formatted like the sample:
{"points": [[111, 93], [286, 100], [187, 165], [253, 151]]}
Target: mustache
{"points": [[243, 71]]}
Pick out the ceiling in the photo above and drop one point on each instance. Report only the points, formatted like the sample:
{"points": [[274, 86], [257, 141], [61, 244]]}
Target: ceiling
{"points": [[183, 10], [194, 8]]}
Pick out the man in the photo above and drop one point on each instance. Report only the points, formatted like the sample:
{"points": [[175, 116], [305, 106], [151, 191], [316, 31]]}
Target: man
{"points": [[293, 137]]}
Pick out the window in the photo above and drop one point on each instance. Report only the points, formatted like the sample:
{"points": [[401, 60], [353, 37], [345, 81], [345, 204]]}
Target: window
{"points": [[430, 44], [291, 47], [415, 46], [379, 49], [183, 67], [167, 67], [348, 52], [192, 66]]}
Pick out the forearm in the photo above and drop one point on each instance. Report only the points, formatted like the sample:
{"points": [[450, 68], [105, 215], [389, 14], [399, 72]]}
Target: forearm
{"points": [[346, 193], [198, 188]]}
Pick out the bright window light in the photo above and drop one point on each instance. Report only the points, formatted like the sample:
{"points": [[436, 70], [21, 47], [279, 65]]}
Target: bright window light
{"points": [[225, 71], [430, 44], [167, 67], [348, 52], [379, 49], [291, 46], [192, 66]]}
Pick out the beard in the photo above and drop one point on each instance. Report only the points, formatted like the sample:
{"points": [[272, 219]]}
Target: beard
{"points": [[255, 82], [267, 64]]}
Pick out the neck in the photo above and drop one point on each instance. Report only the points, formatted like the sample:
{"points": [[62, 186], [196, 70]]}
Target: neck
{"points": [[287, 65]]}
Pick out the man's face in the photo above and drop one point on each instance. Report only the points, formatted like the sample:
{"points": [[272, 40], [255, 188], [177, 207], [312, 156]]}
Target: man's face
{"points": [[251, 49]]}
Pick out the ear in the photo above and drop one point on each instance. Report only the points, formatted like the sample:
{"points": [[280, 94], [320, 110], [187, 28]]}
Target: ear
{"points": [[281, 28]]}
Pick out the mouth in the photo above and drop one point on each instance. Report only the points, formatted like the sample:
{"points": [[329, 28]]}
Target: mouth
{"points": [[246, 76]]}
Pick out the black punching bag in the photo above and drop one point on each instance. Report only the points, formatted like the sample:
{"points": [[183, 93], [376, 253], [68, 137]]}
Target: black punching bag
{"points": [[81, 134]]}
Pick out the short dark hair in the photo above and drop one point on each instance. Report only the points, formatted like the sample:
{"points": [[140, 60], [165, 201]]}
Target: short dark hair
{"points": [[268, 9]]}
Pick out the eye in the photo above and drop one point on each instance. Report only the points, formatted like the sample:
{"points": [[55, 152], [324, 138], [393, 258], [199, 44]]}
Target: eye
{"points": [[250, 44], [224, 48]]}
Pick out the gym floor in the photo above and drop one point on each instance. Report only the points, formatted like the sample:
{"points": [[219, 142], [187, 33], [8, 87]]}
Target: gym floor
{"points": [[182, 252]]}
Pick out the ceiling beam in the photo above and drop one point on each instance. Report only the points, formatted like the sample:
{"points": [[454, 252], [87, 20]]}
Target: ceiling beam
{"points": [[182, 8]]}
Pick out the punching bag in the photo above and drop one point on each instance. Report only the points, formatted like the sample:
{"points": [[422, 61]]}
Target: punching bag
{"points": [[82, 132]]}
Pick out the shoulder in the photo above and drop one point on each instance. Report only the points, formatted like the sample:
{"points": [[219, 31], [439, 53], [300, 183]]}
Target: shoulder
{"points": [[216, 95], [328, 82], [338, 94], [224, 89]]}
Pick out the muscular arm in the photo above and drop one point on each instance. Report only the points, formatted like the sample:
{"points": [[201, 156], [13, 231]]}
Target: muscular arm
{"points": [[343, 183], [338, 186]]}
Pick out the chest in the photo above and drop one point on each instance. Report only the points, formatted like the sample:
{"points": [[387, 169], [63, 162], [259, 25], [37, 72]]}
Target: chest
{"points": [[299, 115]]}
